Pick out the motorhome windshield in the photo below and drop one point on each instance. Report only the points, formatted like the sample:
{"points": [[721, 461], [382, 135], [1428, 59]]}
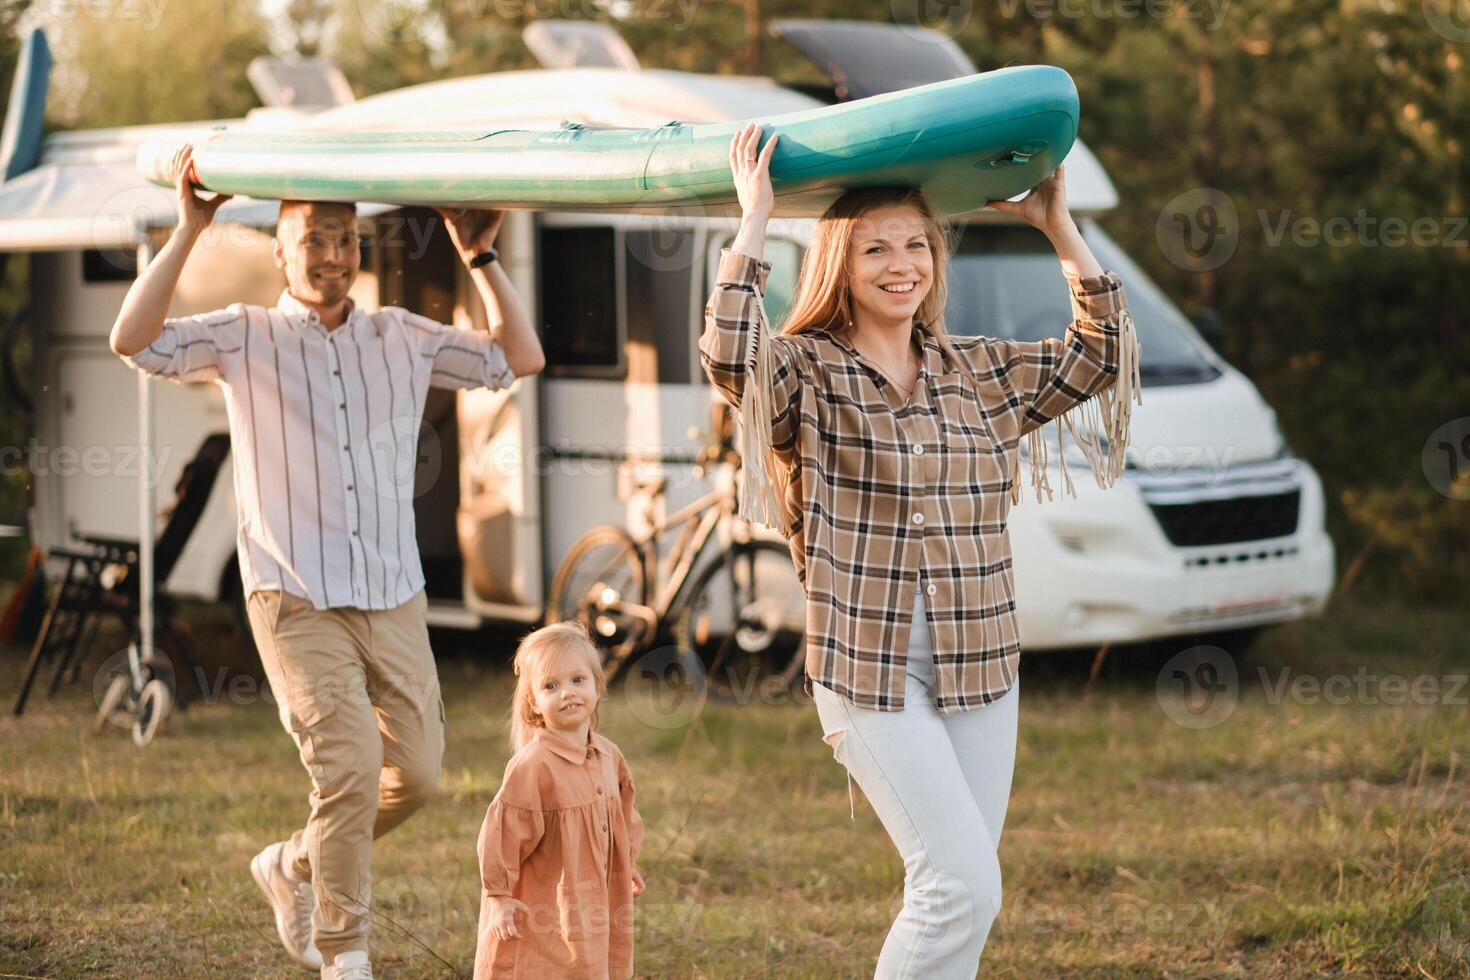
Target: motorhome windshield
{"points": [[1004, 281]]}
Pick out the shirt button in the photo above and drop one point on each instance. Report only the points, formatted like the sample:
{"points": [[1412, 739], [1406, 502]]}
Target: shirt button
{"points": [[918, 518], [341, 404], [931, 589], [349, 486], [919, 449], [599, 791]]}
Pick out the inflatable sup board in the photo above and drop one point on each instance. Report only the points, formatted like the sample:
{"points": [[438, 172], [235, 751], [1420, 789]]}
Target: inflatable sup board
{"points": [[964, 141]]}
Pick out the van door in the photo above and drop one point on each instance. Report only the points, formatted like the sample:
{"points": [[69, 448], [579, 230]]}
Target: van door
{"points": [[484, 447], [618, 297]]}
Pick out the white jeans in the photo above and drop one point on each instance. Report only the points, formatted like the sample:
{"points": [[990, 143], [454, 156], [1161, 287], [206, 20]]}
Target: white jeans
{"points": [[940, 785]]}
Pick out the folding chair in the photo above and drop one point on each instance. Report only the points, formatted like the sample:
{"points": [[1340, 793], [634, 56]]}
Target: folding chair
{"points": [[102, 581]]}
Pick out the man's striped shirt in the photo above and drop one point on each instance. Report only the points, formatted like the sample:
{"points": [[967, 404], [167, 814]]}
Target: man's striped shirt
{"points": [[324, 429]]}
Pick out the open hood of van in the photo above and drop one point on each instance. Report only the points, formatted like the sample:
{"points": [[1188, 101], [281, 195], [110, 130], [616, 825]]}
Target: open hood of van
{"points": [[864, 58]]}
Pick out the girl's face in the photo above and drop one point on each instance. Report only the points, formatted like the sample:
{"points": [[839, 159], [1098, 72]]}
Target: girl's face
{"points": [[891, 264], [566, 693]]}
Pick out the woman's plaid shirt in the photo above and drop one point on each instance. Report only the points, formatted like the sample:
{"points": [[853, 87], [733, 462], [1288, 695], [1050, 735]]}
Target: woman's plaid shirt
{"points": [[885, 496]]}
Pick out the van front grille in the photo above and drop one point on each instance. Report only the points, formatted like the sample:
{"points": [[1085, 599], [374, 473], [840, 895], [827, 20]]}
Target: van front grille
{"points": [[1208, 522]]}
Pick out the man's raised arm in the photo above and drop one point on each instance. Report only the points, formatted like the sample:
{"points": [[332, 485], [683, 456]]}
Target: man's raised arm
{"points": [[140, 321], [473, 232]]}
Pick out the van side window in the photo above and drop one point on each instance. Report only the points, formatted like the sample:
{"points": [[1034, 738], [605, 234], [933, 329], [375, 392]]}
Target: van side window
{"points": [[660, 270], [579, 302], [109, 265], [785, 257]]}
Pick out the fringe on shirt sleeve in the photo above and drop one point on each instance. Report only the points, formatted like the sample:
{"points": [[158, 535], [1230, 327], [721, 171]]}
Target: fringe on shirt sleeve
{"points": [[1100, 426], [760, 495]]}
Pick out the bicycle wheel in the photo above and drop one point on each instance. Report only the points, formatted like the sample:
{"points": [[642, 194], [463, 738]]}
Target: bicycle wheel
{"points": [[746, 621], [602, 568]]}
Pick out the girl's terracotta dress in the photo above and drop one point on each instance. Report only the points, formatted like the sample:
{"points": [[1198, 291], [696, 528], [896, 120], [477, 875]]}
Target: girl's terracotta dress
{"points": [[562, 836]]}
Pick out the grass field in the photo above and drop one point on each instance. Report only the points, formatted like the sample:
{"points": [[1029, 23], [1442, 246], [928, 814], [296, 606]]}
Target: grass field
{"points": [[1294, 834]]}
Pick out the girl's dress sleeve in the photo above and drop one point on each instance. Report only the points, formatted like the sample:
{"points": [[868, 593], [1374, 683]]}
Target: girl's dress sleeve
{"points": [[631, 818], [514, 825]]}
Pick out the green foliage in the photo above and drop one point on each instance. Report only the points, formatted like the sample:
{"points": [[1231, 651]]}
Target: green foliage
{"points": [[125, 64]]}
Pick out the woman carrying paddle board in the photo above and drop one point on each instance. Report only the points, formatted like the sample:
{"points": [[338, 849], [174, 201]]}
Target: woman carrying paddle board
{"points": [[888, 453]]}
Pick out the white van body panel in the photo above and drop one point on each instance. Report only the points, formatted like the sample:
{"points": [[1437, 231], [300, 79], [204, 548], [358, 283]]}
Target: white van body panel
{"points": [[1098, 569]]}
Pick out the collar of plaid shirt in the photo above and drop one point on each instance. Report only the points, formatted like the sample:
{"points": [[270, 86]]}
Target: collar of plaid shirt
{"points": [[879, 497]]}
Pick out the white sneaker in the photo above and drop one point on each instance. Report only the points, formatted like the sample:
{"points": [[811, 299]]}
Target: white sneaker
{"points": [[293, 902], [351, 965]]}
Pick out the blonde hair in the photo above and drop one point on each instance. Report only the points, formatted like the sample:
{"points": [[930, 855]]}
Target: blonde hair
{"points": [[535, 654], [823, 304]]}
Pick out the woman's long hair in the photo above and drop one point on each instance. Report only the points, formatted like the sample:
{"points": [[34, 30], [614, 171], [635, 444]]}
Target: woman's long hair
{"points": [[536, 653]]}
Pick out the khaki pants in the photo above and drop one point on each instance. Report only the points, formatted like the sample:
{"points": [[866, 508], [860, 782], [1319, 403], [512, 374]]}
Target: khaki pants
{"points": [[359, 693]]}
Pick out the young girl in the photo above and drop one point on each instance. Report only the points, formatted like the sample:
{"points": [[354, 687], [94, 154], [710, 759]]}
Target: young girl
{"points": [[887, 452], [559, 846]]}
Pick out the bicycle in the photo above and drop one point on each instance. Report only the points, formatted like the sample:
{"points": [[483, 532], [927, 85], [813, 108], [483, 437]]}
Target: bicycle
{"points": [[741, 624]]}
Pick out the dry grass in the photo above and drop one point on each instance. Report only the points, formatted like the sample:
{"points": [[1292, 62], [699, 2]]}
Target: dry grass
{"points": [[1291, 839]]}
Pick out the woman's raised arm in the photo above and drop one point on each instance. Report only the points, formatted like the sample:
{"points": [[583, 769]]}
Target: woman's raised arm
{"points": [[754, 371]]}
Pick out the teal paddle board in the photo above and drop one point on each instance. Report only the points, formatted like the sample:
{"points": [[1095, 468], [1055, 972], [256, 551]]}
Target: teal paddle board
{"points": [[964, 141]]}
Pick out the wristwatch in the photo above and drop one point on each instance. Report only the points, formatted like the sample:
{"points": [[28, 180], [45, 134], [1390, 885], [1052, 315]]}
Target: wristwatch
{"points": [[484, 258]]}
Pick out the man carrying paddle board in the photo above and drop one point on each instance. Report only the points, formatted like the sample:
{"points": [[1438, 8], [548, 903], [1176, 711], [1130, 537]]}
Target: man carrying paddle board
{"points": [[325, 401], [887, 452]]}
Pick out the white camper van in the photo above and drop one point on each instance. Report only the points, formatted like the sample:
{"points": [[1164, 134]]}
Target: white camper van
{"points": [[1216, 525]]}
